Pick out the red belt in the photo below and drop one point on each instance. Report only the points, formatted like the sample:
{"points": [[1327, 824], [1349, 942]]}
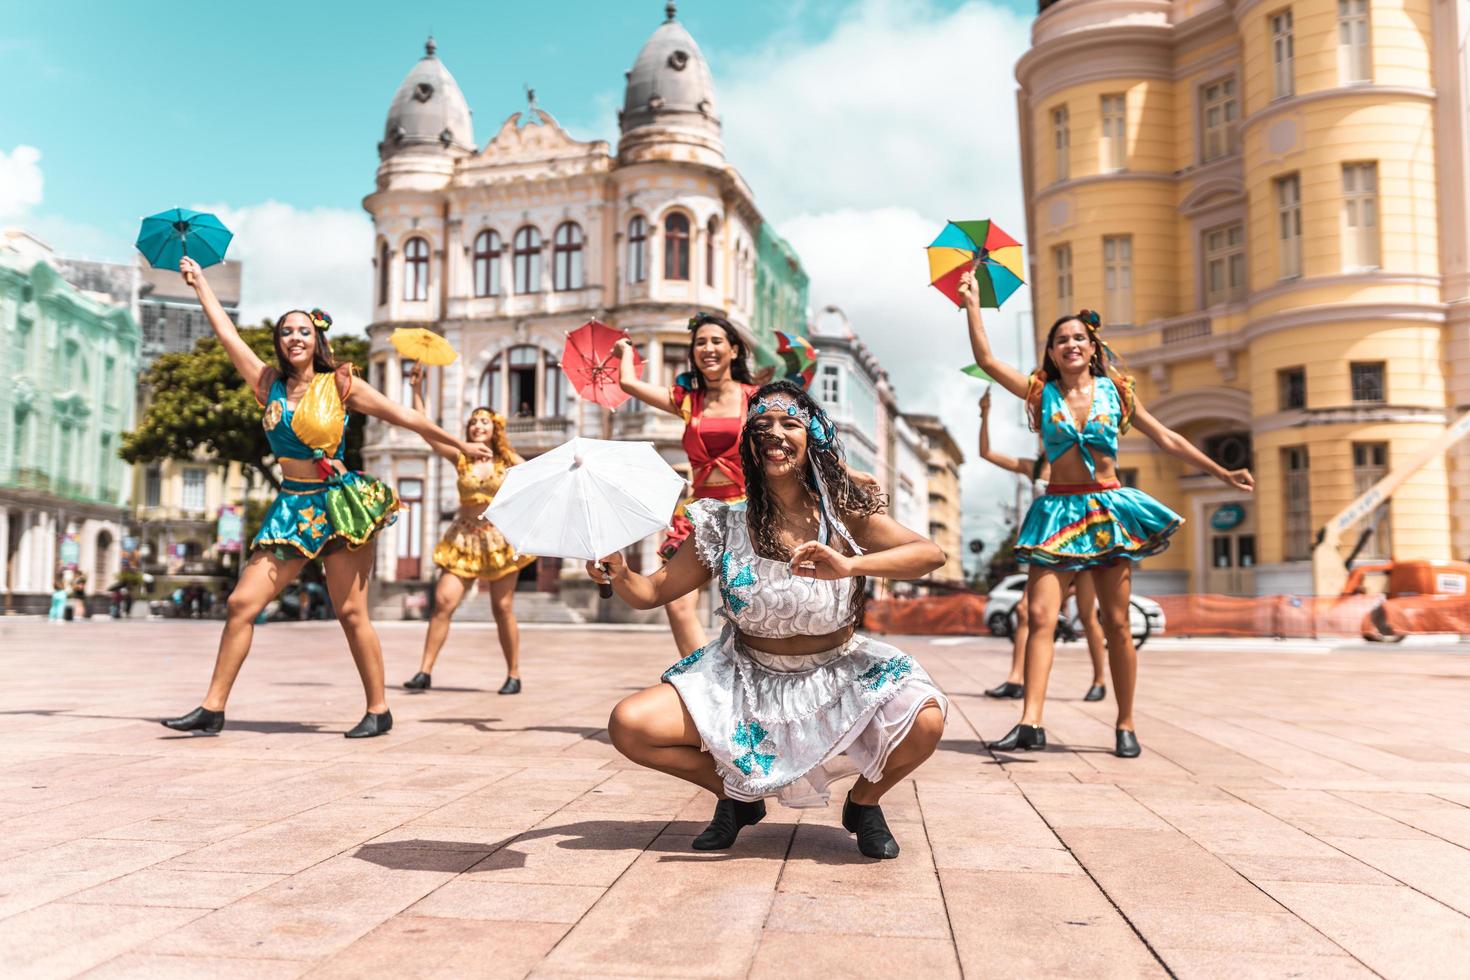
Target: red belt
{"points": [[1062, 489]]}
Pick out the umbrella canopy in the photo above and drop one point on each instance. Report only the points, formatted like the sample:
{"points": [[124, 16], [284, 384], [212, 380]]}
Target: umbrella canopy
{"points": [[168, 236], [424, 346], [979, 245], [798, 358], [586, 498], [592, 368]]}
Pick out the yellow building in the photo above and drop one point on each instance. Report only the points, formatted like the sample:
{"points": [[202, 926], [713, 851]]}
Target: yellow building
{"points": [[944, 459], [1267, 203]]}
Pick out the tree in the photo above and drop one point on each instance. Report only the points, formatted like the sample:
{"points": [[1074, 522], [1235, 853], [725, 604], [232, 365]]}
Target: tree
{"points": [[198, 402]]}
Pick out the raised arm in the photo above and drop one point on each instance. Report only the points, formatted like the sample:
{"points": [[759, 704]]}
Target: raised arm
{"points": [[1010, 378], [892, 551], [1179, 447], [678, 576], [368, 400], [241, 356], [1021, 466], [448, 450], [643, 391]]}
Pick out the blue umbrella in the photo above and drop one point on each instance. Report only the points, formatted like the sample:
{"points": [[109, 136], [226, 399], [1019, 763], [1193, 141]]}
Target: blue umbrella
{"points": [[170, 235]]}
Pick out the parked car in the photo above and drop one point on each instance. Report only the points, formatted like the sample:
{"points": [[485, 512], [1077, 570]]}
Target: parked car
{"points": [[1147, 615]]}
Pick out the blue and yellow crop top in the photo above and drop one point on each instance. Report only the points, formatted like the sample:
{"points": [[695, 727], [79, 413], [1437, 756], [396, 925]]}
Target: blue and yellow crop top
{"points": [[1059, 431], [316, 428]]}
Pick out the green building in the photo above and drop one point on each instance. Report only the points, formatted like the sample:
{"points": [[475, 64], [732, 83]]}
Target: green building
{"points": [[70, 367], [780, 292]]}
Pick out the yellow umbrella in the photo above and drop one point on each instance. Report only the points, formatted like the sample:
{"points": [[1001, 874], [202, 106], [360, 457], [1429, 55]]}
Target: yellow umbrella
{"points": [[424, 346]]}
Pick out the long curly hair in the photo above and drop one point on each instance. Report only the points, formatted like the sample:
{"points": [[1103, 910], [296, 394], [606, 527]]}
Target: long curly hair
{"points": [[499, 442], [739, 363], [1104, 364], [322, 361]]}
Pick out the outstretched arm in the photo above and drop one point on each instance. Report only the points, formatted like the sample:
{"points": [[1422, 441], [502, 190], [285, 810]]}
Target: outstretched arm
{"points": [[241, 356], [448, 450], [1021, 466], [679, 576], [368, 400], [1010, 379], [892, 551], [643, 391], [1176, 445]]}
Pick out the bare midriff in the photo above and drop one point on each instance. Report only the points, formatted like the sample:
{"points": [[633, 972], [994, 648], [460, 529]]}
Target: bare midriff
{"points": [[305, 469], [1071, 468], [796, 646]]}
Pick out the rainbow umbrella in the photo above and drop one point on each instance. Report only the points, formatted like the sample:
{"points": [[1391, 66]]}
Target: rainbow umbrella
{"points": [[798, 358], [982, 246]]}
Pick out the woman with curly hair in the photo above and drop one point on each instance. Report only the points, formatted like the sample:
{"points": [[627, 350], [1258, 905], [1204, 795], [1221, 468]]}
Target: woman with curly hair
{"points": [[789, 698], [472, 548], [324, 510], [1081, 401]]}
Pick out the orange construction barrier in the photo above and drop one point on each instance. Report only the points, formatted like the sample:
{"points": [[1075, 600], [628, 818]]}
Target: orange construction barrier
{"points": [[1292, 616], [957, 614], [1423, 614]]}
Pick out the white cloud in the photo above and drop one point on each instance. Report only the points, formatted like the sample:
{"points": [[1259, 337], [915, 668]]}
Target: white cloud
{"points": [[295, 258], [20, 182]]}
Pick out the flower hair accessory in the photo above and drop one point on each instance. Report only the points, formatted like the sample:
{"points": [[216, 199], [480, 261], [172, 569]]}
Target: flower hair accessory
{"points": [[320, 318], [484, 413], [1091, 318], [698, 320]]}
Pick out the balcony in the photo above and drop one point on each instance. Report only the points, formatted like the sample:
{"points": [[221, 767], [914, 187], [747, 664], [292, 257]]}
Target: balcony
{"points": [[533, 436], [1185, 329], [647, 426]]}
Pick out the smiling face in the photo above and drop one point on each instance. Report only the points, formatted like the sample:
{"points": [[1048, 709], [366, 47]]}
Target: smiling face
{"points": [[712, 351], [780, 443], [481, 428], [296, 340], [1071, 347]]}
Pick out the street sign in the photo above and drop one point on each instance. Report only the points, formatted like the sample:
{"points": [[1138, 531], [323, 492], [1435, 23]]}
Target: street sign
{"points": [[1227, 516], [229, 530], [71, 551]]}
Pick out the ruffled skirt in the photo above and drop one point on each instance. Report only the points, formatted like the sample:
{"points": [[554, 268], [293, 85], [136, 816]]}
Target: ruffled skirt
{"points": [[309, 515], [472, 547], [1096, 527], [789, 726]]}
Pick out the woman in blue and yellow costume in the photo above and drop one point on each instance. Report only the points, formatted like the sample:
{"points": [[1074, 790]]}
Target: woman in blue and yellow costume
{"points": [[472, 548], [1081, 402], [323, 509]]}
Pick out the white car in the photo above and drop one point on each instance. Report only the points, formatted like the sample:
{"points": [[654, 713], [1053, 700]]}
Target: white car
{"points": [[1147, 616]]}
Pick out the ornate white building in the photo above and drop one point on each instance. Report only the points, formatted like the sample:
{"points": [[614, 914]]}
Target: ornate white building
{"points": [[504, 249]]}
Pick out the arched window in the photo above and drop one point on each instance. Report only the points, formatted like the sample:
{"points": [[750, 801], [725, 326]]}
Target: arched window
{"points": [[637, 249], [383, 258], [551, 385], [566, 257], [416, 269], [522, 362], [528, 260], [489, 390], [711, 233], [676, 246], [487, 263]]}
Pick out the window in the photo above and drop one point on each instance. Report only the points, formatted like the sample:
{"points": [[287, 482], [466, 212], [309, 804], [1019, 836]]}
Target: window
{"points": [[416, 269], [676, 246], [410, 522], [487, 263], [1061, 139], [1118, 279], [522, 362], [1289, 225], [1114, 132], [405, 388], [551, 383], [527, 258], [1128, 476], [153, 486], [829, 387], [193, 498], [1360, 215], [70, 376], [637, 249], [489, 388], [1224, 264], [104, 475], [1367, 379], [1370, 464], [1291, 388], [1062, 256], [383, 258], [711, 233], [676, 362], [566, 257], [1354, 55], [1219, 112], [1297, 493], [1231, 450], [1283, 80], [109, 377]]}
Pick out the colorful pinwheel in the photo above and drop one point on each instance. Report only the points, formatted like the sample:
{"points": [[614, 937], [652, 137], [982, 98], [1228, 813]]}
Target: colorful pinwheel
{"points": [[798, 358], [994, 256]]}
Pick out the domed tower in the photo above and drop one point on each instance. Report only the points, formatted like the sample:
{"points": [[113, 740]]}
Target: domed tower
{"points": [[428, 127], [669, 105]]}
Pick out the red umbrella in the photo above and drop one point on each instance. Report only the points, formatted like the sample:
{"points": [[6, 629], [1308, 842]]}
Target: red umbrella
{"points": [[592, 367]]}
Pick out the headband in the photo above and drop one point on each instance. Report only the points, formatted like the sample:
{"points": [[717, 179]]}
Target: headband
{"points": [[320, 318]]}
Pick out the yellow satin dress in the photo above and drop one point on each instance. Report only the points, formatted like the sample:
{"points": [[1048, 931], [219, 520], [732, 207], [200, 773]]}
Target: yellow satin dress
{"points": [[472, 547]]}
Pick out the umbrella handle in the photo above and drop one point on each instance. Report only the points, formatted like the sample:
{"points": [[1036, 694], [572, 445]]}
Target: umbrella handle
{"points": [[605, 589]]}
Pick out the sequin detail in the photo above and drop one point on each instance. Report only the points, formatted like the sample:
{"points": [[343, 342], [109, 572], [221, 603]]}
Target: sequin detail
{"points": [[893, 669], [749, 736], [684, 664], [735, 588]]}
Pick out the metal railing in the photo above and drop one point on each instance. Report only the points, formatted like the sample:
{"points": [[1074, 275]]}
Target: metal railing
{"points": [[1190, 329]]}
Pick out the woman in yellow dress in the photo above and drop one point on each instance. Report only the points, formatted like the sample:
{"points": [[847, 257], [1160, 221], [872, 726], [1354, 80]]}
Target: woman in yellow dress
{"points": [[472, 548]]}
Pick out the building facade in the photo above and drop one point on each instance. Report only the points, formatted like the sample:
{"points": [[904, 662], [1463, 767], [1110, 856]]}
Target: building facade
{"points": [[70, 360], [505, 248], [1267, 203], [943, 459]]}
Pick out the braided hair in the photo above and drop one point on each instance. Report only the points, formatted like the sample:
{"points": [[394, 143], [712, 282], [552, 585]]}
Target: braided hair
{"points": [[1104, 364]]}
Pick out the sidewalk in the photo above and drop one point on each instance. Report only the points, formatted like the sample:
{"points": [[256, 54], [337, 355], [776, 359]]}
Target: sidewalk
{"points": [[1292, 815]]}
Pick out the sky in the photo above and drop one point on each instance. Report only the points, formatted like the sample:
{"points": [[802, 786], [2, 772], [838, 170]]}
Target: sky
{"points": [[861, 125]]}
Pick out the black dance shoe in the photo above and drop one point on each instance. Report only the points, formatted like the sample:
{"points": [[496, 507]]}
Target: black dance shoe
{"points": [[419, 682], [371, 725], [1007, 690], [874, 839], [201, 719], [730, 816], [1096, 692], [1022, 737], [512, 685], [1127, 746]]}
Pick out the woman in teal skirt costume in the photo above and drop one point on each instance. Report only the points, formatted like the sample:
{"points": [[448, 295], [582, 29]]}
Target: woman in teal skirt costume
{"points": [[1081, 402], [323, 509]]}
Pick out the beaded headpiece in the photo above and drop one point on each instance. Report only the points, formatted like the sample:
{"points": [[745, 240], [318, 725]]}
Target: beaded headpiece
{"points": [[778, 403], [320, 318]]}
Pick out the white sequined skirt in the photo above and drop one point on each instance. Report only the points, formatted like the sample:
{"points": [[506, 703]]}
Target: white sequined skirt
{"points": [[789, 726]]}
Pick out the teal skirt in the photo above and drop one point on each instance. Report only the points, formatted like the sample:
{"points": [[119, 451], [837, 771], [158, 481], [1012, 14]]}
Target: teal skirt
{"points": [[1099, 525], [310, 515]]}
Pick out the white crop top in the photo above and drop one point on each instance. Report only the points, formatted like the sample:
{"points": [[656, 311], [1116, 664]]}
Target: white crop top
{"points": [[761, 595]]}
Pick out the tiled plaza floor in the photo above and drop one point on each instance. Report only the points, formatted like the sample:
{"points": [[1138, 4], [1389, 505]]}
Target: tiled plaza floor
{"points": [[1297, 811]]}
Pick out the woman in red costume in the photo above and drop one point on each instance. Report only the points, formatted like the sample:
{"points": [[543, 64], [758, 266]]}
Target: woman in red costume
{"points": [[711, 398]]}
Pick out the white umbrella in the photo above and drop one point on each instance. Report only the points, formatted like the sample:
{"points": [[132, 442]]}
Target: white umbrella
{"points": [[586, 498]]}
